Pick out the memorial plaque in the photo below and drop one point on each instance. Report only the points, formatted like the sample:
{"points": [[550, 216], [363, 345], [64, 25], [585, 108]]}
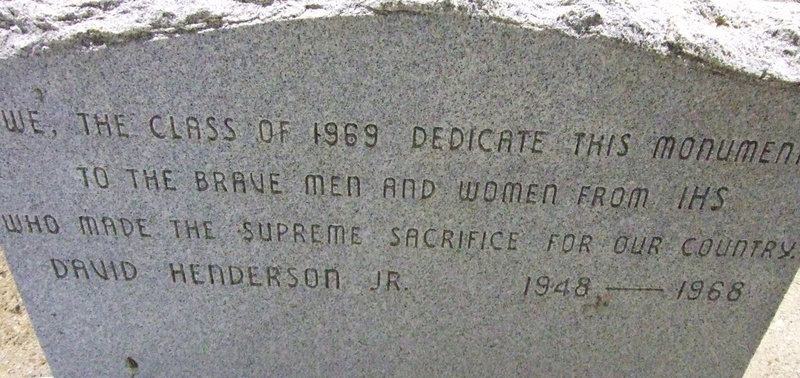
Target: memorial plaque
{"points": [[399, 194]]}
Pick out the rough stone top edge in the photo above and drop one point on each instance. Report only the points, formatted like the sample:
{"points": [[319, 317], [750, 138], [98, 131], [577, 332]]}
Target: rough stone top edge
{"points": [[759, 37]]}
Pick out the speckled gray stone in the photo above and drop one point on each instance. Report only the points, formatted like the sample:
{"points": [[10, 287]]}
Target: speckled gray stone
{"points": [[508, 300]]}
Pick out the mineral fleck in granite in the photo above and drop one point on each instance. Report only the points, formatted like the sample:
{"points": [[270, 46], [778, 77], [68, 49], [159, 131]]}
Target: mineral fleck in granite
{"points": [[428, 189]]}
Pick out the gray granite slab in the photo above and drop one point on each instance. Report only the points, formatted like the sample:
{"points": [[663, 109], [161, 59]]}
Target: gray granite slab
{"points": [[225, 203]]}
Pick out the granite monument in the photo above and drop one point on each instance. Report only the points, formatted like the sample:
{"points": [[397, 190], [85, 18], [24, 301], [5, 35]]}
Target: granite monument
{"points": [[405, 194]]}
